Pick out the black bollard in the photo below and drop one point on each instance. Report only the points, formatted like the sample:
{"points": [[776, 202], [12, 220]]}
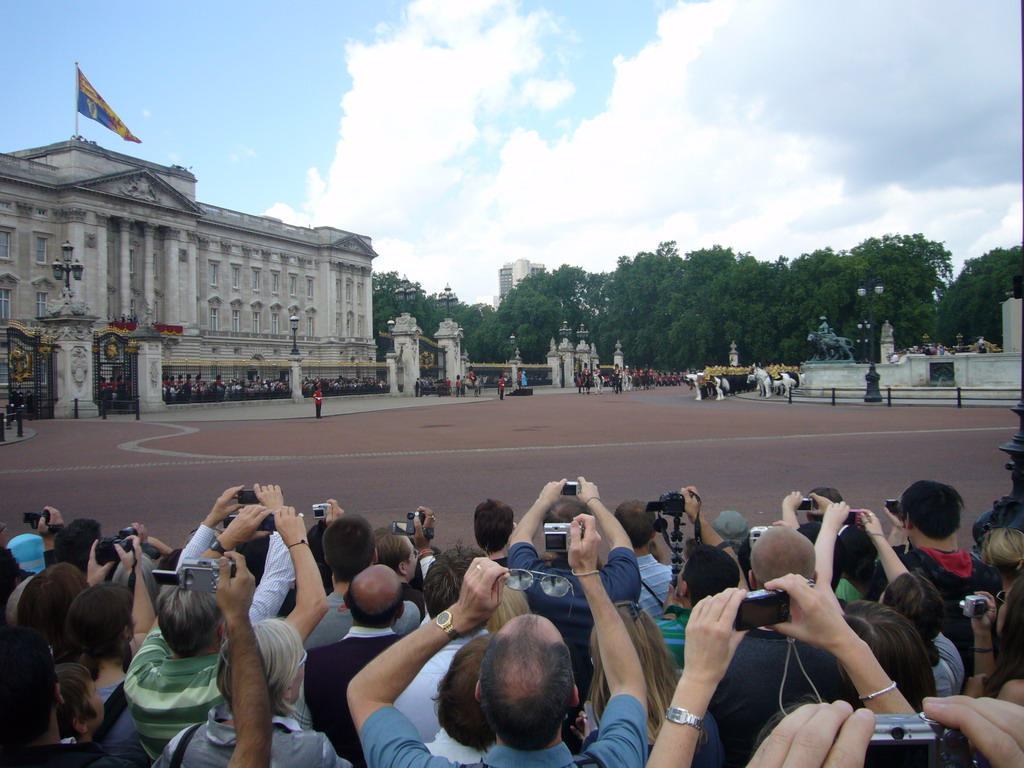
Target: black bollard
{"points": [[76, 407], [20, 416]]}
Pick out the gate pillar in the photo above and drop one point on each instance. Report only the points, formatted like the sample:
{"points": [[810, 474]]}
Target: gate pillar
{"points": [[407, 352], [296, 376], [74, 364], [449, 336], [150, 365], [618, 358], [392, 360]]}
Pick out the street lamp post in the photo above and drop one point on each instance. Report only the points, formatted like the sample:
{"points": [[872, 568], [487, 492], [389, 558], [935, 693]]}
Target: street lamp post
{"points": [[864, 329], [447, 300], [391, 333], [405, 290], [870, 288], [294, 321], [67, 267]]}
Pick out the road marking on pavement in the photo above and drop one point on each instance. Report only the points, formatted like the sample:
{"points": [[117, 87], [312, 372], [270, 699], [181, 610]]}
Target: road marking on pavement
{"points": [[194, 458]]}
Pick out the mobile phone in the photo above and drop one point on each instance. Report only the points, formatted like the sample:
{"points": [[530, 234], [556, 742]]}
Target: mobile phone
{"points": [[571, 489], [247, 496], [893, 505], [320, 511], [806, 504], [856, 518], [762, 608]]}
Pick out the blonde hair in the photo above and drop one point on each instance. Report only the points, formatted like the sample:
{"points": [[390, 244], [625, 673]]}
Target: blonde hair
{"points": [[513, 603], [1004, 548], [281, 652], [660, 670]]}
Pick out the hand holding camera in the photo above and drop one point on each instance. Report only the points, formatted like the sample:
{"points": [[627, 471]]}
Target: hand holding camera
{"points": [[289, 524], [711, 637], [270, 496], [691, 502], [250, 523], [584, 544], [815, 616], [225, 505], [551, 492], [423, 521], [45, 523], [235, 587]]}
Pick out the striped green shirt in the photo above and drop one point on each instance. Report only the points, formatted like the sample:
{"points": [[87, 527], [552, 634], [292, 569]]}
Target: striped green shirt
{"points": [[673, 629], [167, 694]]}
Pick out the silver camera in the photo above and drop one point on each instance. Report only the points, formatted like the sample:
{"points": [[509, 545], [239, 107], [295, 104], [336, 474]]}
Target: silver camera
{"points": [[320, 511], [556, 537], [973, 605], [756, 532], [926, 742]]}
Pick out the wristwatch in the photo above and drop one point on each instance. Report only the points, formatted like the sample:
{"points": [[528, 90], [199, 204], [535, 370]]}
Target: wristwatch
{"points": [[216, 546], [447, 624], [682, 717]]}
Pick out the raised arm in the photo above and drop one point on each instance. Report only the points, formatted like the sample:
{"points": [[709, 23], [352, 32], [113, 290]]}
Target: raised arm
{"points": [[789, 507], [531, 522], [310, 598], [692, 507], [143, 613], [621, 664], [612, 529], [891, 563], [825, 544]]}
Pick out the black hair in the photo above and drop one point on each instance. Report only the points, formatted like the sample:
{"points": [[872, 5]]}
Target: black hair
{"points": [[709, 571], [933, 507], [74, 541], [27, 680]]}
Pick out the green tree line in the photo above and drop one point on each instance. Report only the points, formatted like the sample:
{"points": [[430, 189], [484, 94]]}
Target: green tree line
{"points": [[674, 311]]}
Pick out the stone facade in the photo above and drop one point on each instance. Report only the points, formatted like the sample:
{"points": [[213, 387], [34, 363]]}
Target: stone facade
{"points": [[230, 280]]}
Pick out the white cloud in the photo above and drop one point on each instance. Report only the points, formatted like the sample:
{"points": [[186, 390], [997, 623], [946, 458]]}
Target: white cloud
{"points": [[772, 126]]}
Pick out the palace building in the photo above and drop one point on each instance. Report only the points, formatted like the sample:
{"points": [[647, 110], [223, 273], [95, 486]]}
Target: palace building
{"points": [[218, 283]]}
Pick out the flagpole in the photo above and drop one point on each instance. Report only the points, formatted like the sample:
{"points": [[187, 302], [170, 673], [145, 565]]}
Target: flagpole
{"points": [[76, 99]]}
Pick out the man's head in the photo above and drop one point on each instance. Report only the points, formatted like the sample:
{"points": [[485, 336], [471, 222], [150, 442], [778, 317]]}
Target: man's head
{"points": [[375, 597], [348, 547], [708, 571], [565, 510], [28, 686], [396, 552], [526, 683], [444, 579], [492, 525], [74, 541], [779, 551], [189, 621], [932, 508], [638, 524]]}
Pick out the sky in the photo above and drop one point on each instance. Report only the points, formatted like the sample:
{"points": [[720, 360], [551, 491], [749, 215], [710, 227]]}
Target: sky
{"points": [[464, 134]]}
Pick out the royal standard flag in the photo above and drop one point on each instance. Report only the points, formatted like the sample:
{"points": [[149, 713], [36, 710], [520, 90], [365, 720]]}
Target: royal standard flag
{"points": [[91, 104]]}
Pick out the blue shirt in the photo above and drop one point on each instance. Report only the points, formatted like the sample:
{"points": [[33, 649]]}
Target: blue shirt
{"points": [[390, 740], [571, 613], [657, 578]]}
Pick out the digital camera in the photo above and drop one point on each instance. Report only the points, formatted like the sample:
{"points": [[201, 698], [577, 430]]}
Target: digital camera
{"points": [[915, 740], [973, 605], [761, 608], [195, 574], [556, 537], [756, 532], [320, 511], [106, 551], [32, 519]]}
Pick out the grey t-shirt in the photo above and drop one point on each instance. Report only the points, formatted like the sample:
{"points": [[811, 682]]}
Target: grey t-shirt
{"points": [[122, 740], [338, 621]]}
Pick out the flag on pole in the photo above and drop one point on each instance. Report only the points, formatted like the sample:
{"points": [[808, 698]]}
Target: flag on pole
{"points": [[92, 105]]}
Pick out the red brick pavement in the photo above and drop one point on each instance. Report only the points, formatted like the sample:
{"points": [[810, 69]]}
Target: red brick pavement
{"points": [[741, 454]]}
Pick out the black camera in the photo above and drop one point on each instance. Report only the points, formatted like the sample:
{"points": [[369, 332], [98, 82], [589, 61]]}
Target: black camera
{"points": [[124, 533], [806, 504], [672, 504], [32, 519], [247, 496], [408, 527], [106, 551], [893, 505], [571, 489], [268, 523], [761, 608], [915, 740]]}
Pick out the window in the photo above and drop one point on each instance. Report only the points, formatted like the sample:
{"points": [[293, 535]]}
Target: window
{"points": [[256, 280], [309, 287], [348, 291], [131, 261], [236, 275], [292, 283], [275, 323], [256, 318], [235, 319], [40, 250], [5, 245], [274, 279], [214, 319], [214, 272], [5, 303], [309, 326], [41, 297], [131, 307]]}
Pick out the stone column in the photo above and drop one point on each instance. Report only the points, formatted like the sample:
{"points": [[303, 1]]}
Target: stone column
{"points": [[515, 362], [553, 360], [192, 309], [565, 357], [296, 381], [407, 350], [125, 288], [172, 289], [392, 360], [449, 337], [888, 346], [148, 290], [150, 360], [74, 364], [618, 358], [101, 302], [734, 356], [367, 277]]}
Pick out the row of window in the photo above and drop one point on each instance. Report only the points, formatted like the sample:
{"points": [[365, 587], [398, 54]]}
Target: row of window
{"points": [[5, 303], [257, 322], [236, 279], [40, 250]]}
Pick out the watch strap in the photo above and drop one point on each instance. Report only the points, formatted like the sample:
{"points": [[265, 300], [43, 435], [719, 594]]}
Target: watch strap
{"points": [[447, 625], [216, 546], [682, 717]]}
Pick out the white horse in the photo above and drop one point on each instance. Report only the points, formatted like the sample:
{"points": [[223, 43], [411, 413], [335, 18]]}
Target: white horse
{"points": [[786, 382], [764, 381], [716, 387]]}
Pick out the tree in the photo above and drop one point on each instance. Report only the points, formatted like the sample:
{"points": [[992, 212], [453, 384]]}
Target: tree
{"points": [[971, 306]]}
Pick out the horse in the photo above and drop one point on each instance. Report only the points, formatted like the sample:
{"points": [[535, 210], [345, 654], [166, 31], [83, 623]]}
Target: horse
{"points": [[786, 382], [763, 379], [708, 387]]}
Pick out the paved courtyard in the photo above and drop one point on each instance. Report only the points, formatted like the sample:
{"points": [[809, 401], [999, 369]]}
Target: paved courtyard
{"points": [[382, 457]]}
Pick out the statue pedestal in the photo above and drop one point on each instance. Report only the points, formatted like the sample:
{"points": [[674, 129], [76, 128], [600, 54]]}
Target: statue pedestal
{"points": [[74, 364]]}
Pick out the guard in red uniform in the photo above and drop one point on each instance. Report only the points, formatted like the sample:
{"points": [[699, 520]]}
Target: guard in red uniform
{"points": [[318, 400], [501, 387]]}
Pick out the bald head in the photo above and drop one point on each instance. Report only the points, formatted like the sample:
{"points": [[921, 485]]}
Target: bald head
{"points": [[779, 551], [375, 597]]}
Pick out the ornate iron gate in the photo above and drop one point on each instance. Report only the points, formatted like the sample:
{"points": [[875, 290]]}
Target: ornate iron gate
{"points": [[115, 372], [32, 370], [431, 359]]}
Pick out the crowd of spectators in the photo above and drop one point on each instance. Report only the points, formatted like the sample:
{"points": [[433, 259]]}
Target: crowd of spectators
{"points": [[266, 640], [365, 385], [185, 389]]}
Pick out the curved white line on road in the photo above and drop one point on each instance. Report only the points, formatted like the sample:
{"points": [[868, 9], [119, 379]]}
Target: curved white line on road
{"points": [[136, 445], [203, 459]]}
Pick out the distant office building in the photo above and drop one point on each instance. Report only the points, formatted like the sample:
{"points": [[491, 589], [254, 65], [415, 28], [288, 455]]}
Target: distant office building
{"points": [[512, 273]]}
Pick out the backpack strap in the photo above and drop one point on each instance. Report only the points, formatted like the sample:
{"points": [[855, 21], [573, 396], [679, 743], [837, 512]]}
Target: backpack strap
{"points": [[115, 704], [183, 742]]}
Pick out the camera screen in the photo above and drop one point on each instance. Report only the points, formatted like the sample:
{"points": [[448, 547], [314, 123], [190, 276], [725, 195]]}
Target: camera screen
{"points": [[556, 542]]}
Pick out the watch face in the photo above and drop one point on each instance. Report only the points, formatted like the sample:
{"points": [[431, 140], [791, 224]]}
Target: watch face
{"points": [[444, 617]]}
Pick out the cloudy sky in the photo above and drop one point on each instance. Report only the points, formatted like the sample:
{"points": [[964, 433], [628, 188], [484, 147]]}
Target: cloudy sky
{"points": [[462, 134]]}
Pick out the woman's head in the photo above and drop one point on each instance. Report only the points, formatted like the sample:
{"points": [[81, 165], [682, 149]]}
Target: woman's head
{"points": [[513, 603], [44, 605], [659, 667], [100, 624], [917, 598], [1010, 663], [1004, 548], [282, 656], [458, 710], [897, 645]]}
